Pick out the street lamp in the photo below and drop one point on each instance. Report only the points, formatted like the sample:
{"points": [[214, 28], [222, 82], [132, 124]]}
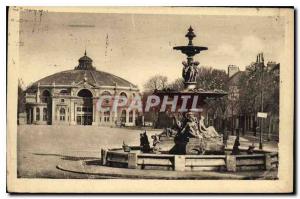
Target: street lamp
{"points": [[232, 119], [262, 65], [233, 103]]}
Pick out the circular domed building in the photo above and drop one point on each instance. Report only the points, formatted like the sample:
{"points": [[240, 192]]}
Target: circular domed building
{"points": [[72, 98]]}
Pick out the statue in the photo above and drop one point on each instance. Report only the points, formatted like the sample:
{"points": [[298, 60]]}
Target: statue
{"points": [[190, 127], [250, 149], [208, 132], [189, 71], [144, 143], [192, 137], [125, 147], [235, 149], [155, 143]]}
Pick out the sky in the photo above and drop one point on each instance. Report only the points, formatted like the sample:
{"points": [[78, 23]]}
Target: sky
{"points": [[138, 46]]}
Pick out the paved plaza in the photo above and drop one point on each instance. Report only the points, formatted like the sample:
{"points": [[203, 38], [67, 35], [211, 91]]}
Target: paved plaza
{"points": [[41, 148]]}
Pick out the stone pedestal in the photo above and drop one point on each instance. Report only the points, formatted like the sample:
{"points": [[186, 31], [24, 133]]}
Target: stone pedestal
{"points": [[132, 160], [190, 85], [231, 163], [268, 161], [179, 163], [103, 156]]}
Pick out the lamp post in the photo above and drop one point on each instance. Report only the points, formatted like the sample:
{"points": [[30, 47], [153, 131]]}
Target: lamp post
{"points": [[261, 101], [232, 118]]}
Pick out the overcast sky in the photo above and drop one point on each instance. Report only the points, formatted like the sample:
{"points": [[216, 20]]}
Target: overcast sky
{"points": [[140, 46]]}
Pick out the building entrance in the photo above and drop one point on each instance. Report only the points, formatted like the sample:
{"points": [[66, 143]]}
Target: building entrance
{"points": [[84, 111]]}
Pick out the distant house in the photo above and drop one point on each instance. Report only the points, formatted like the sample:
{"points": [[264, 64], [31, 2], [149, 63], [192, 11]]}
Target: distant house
{"points": [[233, 114], [247, 121]]}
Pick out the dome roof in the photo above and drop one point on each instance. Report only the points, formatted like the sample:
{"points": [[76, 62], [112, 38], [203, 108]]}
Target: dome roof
{"points": [[83, 72], [85, 58], [95, 77]]}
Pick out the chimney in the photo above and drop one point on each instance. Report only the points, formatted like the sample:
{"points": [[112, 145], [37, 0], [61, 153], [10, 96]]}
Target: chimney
{"points": [[260, 58], [232, 69]]}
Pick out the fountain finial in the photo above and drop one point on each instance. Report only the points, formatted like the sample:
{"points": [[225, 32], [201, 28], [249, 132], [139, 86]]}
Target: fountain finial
{"points": [[190, 35], [190, 71]]}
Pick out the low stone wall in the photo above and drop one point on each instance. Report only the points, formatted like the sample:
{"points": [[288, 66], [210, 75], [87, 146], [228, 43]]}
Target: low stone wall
{"points": [[232, 163], [205, 162]]}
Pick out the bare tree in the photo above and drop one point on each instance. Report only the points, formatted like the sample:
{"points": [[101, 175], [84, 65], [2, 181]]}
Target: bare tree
{"points": [[156, 82], [177, 84]]}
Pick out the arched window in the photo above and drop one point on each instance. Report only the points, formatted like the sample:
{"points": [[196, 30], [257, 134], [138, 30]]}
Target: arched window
{"points": [[106, 98], [64, 92], [85, 93], [62, 114], [45, 113], [37, 114], [123, 97], [45, 96], [105, 93]]}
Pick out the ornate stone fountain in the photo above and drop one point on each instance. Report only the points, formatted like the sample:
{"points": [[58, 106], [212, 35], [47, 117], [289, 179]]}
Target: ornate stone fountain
{"points": [[191, 134], [188, 145]]}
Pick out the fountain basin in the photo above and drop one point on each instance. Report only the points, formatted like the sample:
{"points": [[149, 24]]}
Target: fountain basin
{"points": [[260, 160]]}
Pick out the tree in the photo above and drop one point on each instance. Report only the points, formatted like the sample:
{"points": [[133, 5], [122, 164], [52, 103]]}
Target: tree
{"points": [[156, 82], [211, 79], [215, 79], [177, 84], [250, 85]]}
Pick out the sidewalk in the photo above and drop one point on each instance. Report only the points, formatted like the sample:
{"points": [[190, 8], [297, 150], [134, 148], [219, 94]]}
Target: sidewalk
{"points": [[247, 140]]}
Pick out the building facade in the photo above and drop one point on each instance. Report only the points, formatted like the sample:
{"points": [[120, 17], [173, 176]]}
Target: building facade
{"points": [[72, 98], [247, 120]]}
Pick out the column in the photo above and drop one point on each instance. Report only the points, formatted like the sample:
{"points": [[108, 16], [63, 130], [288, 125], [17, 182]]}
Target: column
{"points": [[127, 116], [102, 117], [133, 117], [34, 114], [38, 94], [97, 118], [75, 113], [115, 116], [72, 109], [53, 113], [94, 113], [41, 113]]}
